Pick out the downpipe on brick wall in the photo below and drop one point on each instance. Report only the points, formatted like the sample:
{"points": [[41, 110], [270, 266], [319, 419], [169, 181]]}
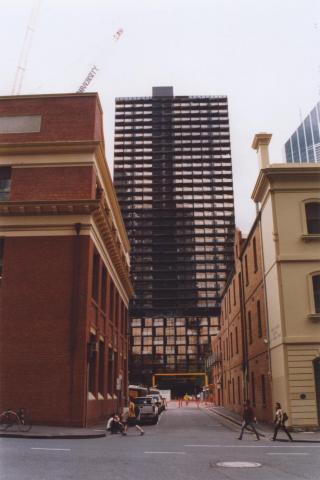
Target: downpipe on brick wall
{"points": [[74, 311]]}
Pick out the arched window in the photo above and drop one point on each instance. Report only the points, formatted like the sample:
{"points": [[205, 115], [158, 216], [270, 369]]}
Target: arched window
{"points": [[313, 217]]}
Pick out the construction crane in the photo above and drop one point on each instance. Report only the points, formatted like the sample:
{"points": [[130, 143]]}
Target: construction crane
{"points": [[93, 71], [27, 41]]}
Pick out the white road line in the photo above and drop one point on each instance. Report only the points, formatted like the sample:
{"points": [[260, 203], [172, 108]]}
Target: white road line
{"points": [[56, 449], [254, 446], [172, 453], [287, 453]]}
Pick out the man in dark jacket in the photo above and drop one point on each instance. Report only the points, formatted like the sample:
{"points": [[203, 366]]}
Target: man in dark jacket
{"points": [[249, 419]]}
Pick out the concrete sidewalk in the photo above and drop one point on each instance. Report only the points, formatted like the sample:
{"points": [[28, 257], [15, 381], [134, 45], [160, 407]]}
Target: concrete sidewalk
{"points": [[264, 429], [49, 432]]}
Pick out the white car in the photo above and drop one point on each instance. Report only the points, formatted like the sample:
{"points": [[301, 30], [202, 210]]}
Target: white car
{"points": [[159, 401], [149, 411]]}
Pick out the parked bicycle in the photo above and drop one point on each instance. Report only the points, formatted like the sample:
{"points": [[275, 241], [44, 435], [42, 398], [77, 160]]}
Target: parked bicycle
{"points": [[20, 419]]}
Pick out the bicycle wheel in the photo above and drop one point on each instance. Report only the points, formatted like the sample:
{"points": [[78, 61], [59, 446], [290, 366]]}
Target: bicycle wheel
{"points": [[5, 422]]}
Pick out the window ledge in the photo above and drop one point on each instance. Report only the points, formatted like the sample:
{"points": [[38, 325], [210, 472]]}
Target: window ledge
{"points": [[91, 396], [314, 317], [100, 396], [311, 237]]}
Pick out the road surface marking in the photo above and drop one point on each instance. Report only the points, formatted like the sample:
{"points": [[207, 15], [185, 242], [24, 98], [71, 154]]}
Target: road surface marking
{"points": [[239, 464], [287, 453], [174, 453], [58, 449], [254, 446]]}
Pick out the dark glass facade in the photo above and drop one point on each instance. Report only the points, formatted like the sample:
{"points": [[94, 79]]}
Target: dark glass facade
{"points": [[304, 144], [173, 178]]}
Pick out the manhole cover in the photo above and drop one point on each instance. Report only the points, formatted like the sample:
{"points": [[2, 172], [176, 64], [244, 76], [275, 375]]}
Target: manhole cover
{"points": [[239, 464]]}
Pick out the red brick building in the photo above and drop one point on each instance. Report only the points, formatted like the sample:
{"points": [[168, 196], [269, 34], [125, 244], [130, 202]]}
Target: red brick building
{"points": [[241, 367], [64, 263]]}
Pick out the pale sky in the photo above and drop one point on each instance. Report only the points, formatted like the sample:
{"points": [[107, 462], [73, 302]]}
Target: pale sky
{"points": [[264, 55]]}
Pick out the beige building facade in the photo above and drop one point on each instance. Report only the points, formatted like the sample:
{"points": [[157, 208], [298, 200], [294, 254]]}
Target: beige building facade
{"points": [[288, 196]]}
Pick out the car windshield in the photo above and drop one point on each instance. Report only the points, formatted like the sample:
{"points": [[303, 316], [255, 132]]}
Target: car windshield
{"points": [[143, 401]]}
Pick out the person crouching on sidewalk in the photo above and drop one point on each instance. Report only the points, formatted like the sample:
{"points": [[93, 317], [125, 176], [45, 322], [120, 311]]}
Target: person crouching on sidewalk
{"points": [[116, 426], [249, 420], [280, 422]]}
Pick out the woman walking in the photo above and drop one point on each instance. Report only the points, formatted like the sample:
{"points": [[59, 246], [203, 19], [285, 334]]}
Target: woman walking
{"points": [[280, 422]]}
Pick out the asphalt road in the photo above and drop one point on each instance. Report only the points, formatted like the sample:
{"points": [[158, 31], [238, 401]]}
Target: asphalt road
{"points": [[187, 444]]}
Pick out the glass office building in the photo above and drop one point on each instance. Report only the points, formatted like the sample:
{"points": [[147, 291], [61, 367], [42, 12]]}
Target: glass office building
{"points": [[304, 144], [173, 178]]}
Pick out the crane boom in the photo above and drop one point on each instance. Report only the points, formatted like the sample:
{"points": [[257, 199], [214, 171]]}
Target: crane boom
{"points": [[27, 41]]}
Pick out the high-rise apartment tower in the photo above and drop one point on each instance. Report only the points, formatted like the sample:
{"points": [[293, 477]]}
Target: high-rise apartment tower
{"points": [[173, 177]]}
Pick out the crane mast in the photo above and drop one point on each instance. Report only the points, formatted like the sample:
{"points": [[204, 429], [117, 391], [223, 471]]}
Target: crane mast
{"points": [[27, 41]]}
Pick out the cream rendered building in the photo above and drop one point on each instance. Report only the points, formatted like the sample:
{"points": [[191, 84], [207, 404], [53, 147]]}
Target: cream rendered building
{"points": [[289, 201]]}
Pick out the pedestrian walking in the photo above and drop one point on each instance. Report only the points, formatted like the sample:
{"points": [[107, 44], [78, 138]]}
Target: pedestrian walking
{"points": [[249, 420], [134, 416], [280, 422], [124, 419], [186, 399], [180, 402]]}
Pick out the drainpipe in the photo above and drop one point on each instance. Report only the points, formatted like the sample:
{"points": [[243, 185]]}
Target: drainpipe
{"points": [[265, 303], [243, 317], [74, 313]]}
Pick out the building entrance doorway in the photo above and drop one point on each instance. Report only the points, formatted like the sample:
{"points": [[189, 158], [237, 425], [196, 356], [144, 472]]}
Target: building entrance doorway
{"points": [[180, 383], [316, 365]]}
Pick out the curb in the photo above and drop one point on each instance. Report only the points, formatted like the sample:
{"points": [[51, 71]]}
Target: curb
{"points": [[53, 436], [233, 420]]}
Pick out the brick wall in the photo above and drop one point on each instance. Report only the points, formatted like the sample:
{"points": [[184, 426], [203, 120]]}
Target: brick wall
{"points": [[52, 183], [64, 118], [37, 330], [243, 317]]}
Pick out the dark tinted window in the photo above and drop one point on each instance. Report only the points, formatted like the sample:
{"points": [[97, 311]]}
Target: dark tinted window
{"points": [[313, 217], [5, 183], [316, 292]]}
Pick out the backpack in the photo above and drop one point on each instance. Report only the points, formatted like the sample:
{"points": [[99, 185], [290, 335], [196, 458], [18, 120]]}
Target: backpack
{"points": [[284, 417]]}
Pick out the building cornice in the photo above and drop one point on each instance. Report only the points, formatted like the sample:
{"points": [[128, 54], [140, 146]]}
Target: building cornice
{"points": [[53, 95], [97, 209], [85, 146], [277, 171]]}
